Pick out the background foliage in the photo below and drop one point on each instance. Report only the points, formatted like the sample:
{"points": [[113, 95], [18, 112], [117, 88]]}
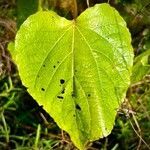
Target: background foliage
{"points": [[25, 125]]}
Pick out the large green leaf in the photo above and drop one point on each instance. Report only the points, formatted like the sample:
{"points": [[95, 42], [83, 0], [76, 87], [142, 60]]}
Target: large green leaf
{"points": [[78, 70]]}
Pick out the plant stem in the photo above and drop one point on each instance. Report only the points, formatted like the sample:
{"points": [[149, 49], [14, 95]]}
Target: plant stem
{"points": [[88, 3], [5, 128], [75, 9], [38, 132], [40, 5]]}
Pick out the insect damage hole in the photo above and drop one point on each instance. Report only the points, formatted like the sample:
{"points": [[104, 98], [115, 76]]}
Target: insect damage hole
{"points": [[63, 91], [62, 81], [78, 107], [88, 95], [60, 97], [42, 89]]}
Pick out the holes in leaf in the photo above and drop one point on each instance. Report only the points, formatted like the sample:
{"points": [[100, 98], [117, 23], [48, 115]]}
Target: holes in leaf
{"points": [[42, 89], [63, 91], [78, 107], [60, 97], [55, 65], [89, 95], [62, 81]]}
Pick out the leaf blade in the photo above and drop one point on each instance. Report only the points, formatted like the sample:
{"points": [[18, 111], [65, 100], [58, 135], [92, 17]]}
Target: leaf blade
{"points": [[76, 71]]}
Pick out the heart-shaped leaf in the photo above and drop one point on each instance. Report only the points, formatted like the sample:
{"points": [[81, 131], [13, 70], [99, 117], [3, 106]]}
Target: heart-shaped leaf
{"points": [[78, 70]]}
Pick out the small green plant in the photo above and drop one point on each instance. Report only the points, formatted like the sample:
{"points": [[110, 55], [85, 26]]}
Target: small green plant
{"points": [[141, 67], [79, 70]]}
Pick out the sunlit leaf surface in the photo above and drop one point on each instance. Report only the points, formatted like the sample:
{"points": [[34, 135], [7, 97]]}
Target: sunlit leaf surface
{"points": [[78, 70]]}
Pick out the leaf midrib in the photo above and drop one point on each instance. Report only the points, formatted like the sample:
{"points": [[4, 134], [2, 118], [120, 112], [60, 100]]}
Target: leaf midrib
{"points": [[102, 120]]}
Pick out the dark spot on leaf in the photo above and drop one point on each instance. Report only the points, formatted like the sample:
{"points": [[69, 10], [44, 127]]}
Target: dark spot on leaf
{"points": [[73, 94], [74, 115], [78, 107], [43, 65], [58, 62], [89, 95], [38, 76], [75, 70], [54, 66], [42, 89], [60, 97], [63, 91], [62, 81]]}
